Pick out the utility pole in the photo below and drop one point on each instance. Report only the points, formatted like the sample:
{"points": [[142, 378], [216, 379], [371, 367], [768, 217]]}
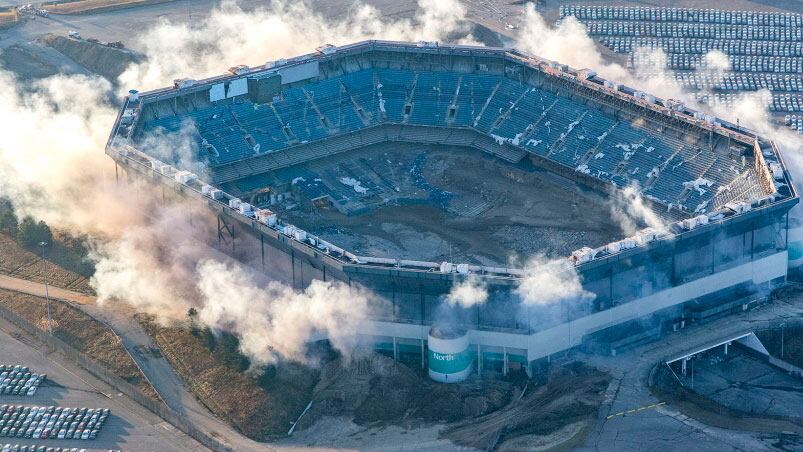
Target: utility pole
{"points": [[47, 295]]}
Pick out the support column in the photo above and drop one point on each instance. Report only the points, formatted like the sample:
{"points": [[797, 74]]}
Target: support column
{"points": [[423, 362], [683, 366], [479, 360], [504, 361], [726, 348], [262, 248], [395, 350]]}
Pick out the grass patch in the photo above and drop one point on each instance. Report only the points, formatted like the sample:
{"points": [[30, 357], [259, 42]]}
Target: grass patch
{"points": [[21, 263], [260, 405]]}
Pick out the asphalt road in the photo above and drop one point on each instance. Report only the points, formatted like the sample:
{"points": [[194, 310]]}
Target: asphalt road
{"points": [[120, 318], [662, 427]]}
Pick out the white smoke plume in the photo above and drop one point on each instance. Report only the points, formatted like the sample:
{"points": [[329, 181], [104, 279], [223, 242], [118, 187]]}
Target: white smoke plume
{"points": [[717, 61], [569, 43], [468, 293], [51, 148], [275, 322], [231, 36], [631, 212], [551, 281]]}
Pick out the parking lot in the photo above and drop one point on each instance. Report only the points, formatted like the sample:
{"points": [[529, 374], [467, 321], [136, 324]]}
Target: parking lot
{"points": [[128, 427]]}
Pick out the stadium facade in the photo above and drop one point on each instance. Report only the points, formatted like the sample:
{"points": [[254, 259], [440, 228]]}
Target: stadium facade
{"points": [[723, 190]]}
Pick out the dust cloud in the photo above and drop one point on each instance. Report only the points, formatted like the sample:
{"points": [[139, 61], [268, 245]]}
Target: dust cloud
{"points": [[468, 293], [631, 212], [550, 281], [230, 36], [53, 167]]}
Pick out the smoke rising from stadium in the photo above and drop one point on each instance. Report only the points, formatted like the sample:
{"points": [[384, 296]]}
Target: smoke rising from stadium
{"points": [[53, 167]]}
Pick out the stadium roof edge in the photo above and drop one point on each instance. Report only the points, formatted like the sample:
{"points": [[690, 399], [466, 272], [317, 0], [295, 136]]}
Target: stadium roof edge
{"points": [[552, 68]]}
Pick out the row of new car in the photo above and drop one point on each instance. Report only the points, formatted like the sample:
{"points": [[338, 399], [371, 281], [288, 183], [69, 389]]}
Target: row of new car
{"points": [[739, 82], [795, 123], [51, 422], [682, 15], [736, 63], [35, 448], [19, 380], [624, 44], [698, 31], [780, 102]]}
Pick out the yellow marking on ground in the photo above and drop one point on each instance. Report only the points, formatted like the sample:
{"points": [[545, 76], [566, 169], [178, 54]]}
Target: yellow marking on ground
{"points": [[622, 413]]}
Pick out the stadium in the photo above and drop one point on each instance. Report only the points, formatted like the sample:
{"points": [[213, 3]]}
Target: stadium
{"points": [[409, 167]]}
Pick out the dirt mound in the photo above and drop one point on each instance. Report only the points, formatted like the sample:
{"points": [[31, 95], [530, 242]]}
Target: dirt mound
{"points": [[95, 57], [377, 389], [551, 441], [571, 394]]}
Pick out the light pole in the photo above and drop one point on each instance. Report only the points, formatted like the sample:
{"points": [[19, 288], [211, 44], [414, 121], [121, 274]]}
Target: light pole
{"points": [[47, 295]]}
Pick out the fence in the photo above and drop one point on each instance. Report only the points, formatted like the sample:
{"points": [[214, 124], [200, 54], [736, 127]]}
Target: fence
{"points": [[89, 364]]}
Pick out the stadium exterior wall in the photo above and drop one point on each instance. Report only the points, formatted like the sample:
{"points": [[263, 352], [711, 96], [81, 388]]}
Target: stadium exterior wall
{"points": [[748, 251]]}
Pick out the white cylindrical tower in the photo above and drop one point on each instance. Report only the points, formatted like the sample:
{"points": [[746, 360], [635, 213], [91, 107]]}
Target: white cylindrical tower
{"points": [[450, 360]]}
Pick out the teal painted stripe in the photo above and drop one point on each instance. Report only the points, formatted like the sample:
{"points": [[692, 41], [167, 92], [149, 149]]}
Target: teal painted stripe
{"points": [[447, 363]]}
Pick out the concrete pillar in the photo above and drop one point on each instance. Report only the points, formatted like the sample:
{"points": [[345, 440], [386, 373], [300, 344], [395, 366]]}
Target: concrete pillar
{"points": [[683, 366], [423, 361], [479, 360], [395, 350], [504, 361], [726, 348]]}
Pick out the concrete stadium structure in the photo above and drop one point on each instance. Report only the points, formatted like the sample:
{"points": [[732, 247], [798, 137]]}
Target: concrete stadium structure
{"points": [[722, 191]]}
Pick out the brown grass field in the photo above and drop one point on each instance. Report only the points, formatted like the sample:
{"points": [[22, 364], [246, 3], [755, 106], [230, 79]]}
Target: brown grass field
{"points": [[232, 395], [93, 6], [8, 18], [21, 263]]}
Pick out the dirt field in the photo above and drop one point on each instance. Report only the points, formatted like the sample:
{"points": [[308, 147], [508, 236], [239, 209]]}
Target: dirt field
{"points": [[19, 262], [375, 388], [497, 212], [95, 6], [99, 59], [8, 17], [391, 400], [82, 332], [231, 394], [572, 394]]}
